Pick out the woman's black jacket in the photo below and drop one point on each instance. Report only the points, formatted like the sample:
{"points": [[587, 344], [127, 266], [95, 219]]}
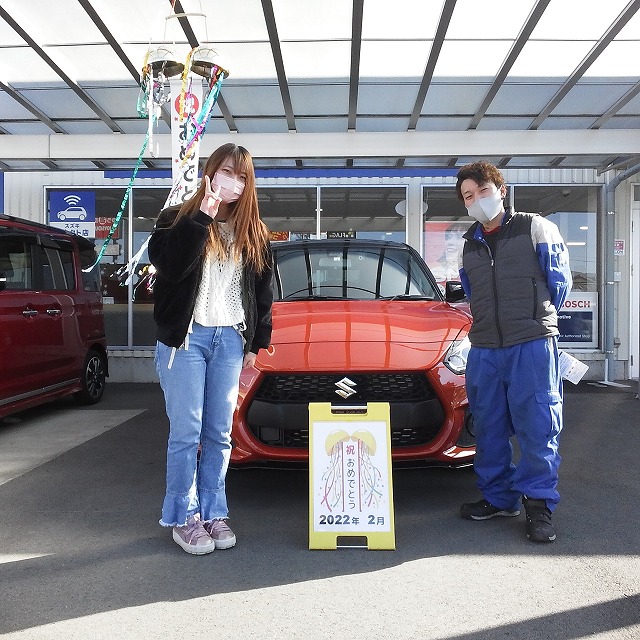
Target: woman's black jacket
{"points": [[177, 252]]}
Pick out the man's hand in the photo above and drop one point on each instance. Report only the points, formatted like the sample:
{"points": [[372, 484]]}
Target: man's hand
{"points": [[211, 200]]}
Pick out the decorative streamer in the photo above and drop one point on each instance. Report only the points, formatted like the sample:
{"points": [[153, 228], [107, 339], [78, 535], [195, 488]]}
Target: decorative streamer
{"points": [[116, 220], [198, 126]]}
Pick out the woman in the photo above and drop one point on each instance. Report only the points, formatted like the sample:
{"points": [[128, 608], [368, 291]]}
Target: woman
{"points": [[213, 313]]}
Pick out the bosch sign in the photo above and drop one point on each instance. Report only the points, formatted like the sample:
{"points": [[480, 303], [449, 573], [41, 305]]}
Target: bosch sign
{"points": [[577, 304], [578, 320]]}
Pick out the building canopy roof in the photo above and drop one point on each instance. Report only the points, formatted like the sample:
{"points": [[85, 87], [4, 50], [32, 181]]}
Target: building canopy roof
{"points": [[331, 84]]}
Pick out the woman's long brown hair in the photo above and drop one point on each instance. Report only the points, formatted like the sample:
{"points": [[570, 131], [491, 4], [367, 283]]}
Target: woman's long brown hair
{"points": [[251, 234]]}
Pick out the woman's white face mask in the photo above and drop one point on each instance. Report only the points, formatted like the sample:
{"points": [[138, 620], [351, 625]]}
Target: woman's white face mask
{"points": [[230, 188], [484, 210]]}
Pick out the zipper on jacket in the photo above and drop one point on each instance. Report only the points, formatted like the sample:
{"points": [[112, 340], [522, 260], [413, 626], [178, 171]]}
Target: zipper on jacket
{"points": [[535, 297], [495, 292]]}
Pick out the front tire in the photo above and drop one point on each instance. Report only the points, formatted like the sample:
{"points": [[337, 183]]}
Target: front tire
{"points": [[94, 376]]}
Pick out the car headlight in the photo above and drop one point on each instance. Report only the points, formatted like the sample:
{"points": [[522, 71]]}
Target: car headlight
{"points": [[456, 357]]}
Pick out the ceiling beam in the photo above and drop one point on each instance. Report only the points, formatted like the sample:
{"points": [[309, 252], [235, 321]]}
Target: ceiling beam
{"points": [[518, 45], [614, 108], [74, 86], [421, 144], [270, 20], [618, 163], [193, 43], [436, 47], [108, 36], [354, 74], [618, 24], [29, 106]]}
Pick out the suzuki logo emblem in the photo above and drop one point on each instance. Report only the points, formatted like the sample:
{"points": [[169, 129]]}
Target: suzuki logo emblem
{"points": [[346, 388]]}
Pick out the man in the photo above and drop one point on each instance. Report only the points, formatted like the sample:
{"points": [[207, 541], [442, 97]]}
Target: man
{"points": [[515, 272]]}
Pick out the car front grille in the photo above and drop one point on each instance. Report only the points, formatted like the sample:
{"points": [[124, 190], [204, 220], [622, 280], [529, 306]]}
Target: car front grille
{"points": [[278, 415], [374, 387]]}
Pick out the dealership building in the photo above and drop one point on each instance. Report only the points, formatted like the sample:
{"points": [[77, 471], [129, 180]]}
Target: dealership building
{"points": [[358, 122]]}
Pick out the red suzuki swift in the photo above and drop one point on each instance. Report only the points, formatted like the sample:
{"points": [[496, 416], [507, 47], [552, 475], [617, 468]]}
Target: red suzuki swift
{"points": [[357, 321]]}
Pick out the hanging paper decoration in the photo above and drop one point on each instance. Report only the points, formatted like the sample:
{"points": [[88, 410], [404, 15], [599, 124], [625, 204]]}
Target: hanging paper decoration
{"points": [[188, 124], [190, 109], [159, 65]]}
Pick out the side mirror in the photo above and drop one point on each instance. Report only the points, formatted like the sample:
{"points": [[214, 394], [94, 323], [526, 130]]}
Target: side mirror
{"points": [[453, 291]]}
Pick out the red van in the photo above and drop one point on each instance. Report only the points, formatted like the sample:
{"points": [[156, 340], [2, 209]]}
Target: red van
{"points": [[52, 336]]}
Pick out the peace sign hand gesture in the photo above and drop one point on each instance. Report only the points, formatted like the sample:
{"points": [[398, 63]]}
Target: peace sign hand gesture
{"points": [[211, 199]]}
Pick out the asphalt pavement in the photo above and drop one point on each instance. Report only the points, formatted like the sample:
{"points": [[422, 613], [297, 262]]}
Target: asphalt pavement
{"points": [[82, 555]]}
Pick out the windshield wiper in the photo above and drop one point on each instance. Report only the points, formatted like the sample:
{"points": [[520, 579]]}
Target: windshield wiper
{"points": [[406, 296], [311, 297]]}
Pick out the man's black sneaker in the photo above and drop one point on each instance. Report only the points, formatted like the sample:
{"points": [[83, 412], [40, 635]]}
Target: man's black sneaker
{"points": [[483, 510], [539, 526]]}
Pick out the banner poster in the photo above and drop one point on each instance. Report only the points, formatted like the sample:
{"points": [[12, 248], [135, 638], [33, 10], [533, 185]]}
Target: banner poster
{"points": [[350, 480], [578, 321], [184, 151], [443, 244]]}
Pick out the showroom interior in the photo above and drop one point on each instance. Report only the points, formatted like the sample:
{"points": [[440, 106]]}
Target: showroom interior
{"points": [[358, 121]]}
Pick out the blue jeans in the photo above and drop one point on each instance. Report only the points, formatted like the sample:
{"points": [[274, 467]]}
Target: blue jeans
{"points": [[516, 391], [200, 392]]}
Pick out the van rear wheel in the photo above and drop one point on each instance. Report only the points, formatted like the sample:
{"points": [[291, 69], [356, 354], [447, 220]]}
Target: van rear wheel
{"points": [[93, 379]]}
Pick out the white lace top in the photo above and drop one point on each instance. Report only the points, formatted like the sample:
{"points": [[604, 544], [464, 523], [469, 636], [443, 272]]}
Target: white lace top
{"points": [[219, 300]]}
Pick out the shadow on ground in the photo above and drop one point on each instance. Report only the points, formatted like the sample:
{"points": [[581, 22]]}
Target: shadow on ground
{"points": [[91, 517]]}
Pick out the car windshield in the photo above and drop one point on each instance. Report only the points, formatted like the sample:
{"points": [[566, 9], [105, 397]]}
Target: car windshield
{"points": [[351, 272]]}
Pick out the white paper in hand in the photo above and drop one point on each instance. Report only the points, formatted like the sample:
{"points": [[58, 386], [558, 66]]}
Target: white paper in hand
{"points": [[571, 368]]}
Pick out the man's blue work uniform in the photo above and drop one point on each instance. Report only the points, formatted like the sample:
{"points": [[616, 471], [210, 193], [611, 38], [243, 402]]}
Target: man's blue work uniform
{"points": [[516, 278]]}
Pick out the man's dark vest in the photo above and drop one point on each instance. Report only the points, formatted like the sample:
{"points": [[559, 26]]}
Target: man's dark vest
{"points": [[510, 301]]}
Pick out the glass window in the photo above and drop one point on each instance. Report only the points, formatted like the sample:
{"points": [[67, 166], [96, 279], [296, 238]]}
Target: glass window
{"points": [[114, 296], [68, 270], [363, 212], [15, 264], [574, 209], [445, 221], [90, 279], [290, 213], [53, 273], [146, 206], [48, 257], [353, 272]]}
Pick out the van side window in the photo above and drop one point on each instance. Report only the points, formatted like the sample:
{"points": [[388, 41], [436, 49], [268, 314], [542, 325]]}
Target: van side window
{"points": [[68, 269], [54, 275], [52, 256], [16, 271], [90, 279]]}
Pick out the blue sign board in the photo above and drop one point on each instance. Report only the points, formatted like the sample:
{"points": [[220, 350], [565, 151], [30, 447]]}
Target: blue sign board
{"points": [[576, 326], [72, 206], [578, 321]]}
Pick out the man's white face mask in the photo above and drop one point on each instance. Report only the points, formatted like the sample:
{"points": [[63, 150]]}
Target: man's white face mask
{"points": [[484, 210]]}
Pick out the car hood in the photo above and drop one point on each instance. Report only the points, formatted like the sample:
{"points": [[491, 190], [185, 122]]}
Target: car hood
{"points": [[367, 334]]}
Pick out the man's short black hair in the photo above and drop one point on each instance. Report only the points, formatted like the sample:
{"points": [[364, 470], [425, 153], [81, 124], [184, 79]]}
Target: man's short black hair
{"points": [[480, 172]]}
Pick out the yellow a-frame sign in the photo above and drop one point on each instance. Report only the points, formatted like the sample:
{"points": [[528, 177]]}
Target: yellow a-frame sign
{"points": [[350, 479]]}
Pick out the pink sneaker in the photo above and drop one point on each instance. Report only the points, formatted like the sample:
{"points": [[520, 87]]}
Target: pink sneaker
{"points": [[193, 537], [220, 533]]}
